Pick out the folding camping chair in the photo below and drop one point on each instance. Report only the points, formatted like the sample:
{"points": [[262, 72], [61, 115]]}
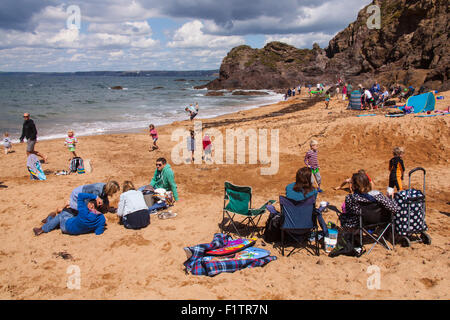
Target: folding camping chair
{"points": [[375, 222], [299, 220], [238, 202]]}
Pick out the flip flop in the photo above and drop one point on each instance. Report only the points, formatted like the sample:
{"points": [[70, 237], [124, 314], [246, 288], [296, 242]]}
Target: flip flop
{"points": [[167, 215]]}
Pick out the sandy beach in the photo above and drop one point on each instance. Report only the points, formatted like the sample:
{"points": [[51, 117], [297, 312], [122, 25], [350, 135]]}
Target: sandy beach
{"points": [[148, 263]]}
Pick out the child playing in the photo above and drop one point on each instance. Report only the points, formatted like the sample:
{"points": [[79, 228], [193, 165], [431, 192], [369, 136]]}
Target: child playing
{"points": [[154, 135], [396, 168], [191, 144], [327, 99], [312, 162], [7, 143], [206, 147], [71, 141]]}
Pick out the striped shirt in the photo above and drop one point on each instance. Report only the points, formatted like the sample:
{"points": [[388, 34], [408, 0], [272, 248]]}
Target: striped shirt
{"points": [[71, 141], [311, 159]]}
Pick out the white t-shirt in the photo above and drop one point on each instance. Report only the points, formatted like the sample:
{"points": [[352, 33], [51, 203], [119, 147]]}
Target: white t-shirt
{"points": [[131, 201], [6, 142], [367, 94]]}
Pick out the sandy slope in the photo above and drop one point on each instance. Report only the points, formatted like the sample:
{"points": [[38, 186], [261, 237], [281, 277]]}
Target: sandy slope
{"points": [[147, 264]]}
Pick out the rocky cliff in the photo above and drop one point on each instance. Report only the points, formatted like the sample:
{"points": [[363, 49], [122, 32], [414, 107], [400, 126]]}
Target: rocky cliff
{"points": [[410, 47]]}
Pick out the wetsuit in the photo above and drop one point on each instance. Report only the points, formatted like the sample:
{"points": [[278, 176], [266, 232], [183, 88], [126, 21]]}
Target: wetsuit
{"points": [[396, 168]]}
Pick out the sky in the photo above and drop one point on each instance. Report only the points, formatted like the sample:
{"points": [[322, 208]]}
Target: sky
{"points": [[90, 35]]}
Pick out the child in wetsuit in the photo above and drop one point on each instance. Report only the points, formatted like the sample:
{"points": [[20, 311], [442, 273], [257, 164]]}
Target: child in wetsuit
{"points": [[396, 168]]}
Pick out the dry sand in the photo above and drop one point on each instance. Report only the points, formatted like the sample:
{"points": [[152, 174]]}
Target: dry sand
{"points": [[147, 264]]}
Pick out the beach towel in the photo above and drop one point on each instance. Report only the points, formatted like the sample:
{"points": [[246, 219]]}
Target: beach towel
{"points": [[366, 115], [200, 264], [394, 115]]}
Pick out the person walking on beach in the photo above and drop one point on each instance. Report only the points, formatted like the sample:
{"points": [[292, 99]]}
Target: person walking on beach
{"points": [[29, 131], [349, 90], [154, 135], [396, 168], [191, 144], [207, 146], [70, 142], [344, 92], [327, 99], [7, 143], [312, 162]]}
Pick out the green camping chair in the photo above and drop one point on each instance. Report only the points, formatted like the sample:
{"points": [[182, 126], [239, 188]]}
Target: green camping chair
{"points": [[238, 201]]}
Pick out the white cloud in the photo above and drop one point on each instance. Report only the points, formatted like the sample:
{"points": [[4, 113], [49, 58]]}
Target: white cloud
{"points": [[190, 35], [65, 38], [124, 28]]}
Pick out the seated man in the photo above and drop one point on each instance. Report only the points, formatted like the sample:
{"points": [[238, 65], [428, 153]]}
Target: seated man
{"points": [[164, 177], [87, 220]]}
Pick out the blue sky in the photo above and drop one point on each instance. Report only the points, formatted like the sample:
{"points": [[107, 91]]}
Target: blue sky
{"points": [[157, 34]]}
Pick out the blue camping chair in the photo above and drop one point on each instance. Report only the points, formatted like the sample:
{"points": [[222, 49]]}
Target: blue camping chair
{"points": [[299, 220]]}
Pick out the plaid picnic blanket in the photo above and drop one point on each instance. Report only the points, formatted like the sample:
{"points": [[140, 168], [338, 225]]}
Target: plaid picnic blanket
{"points": [[198, 265]]}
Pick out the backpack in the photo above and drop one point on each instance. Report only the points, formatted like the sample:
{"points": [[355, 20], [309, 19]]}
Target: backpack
{"points": [[272, 230], [76, 165], [345, 247]]}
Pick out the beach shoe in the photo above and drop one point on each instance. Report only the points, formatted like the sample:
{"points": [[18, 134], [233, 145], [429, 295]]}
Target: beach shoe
{"points": [[38, 231], [167, 215], [319, 190]]}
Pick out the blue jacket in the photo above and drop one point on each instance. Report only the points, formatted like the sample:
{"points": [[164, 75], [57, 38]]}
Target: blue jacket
{"points": [[298, 196], [86, 221], [94, 188]]}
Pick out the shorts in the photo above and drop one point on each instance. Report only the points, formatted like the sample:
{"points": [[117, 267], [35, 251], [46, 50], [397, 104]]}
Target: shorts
{"points": [[155, 139], [72, 149], [315, 173], [30, 145], [193, 115]]}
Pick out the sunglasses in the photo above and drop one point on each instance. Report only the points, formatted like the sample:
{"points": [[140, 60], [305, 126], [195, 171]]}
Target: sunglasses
{"points": [[159, 164]]}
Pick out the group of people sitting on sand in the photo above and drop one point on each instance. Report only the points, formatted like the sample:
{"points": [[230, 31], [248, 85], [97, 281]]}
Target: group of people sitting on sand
{"points": [[361, 191], [84, 212], [360, 186]]}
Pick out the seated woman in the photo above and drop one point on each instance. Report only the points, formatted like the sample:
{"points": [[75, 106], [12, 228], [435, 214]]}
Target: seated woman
{"points": [[132, 209], [362, 192], [303, 189], [348, 181], [89, 219], [102, 190]]}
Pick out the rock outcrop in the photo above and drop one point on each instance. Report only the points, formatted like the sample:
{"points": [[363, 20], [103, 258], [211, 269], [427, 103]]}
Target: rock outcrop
{"points": [[410, 47]]}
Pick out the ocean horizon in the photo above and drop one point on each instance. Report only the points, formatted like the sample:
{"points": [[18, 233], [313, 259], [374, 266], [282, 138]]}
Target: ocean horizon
{"points": [[85, 102]]}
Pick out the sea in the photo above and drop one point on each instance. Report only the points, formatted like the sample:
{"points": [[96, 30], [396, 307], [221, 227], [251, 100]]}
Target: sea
{"points": [[88, 105]]}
